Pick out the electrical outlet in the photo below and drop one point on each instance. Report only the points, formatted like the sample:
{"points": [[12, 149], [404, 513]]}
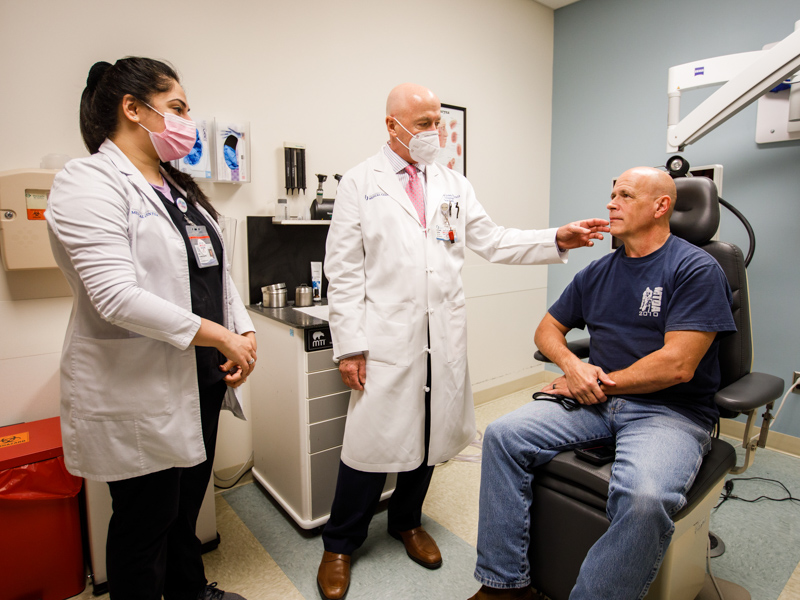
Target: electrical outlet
{"points": [[795, 377]]}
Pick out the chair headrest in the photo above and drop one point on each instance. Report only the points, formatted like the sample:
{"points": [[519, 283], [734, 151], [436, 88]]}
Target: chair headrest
{"points": [[696, 214]]}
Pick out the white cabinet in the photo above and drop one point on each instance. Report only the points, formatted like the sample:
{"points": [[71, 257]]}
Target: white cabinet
{"points": [[299, 408]]}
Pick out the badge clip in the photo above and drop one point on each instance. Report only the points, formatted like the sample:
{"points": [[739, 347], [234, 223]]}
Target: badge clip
{"points": [[450, 233]]}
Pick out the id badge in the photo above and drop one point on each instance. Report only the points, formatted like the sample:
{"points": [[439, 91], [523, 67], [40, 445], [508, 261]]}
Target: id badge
{"points": [[201, 244], [443, 234]]}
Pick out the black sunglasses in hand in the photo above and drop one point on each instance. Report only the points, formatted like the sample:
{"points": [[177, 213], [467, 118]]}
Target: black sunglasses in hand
{"points": [[567, 403]]}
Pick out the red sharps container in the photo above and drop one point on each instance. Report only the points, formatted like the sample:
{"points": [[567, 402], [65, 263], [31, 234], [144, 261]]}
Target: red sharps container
{"points": [[40, 517]]}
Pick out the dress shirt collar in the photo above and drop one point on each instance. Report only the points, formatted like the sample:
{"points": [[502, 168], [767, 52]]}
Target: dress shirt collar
{"points": [[399, 164]]}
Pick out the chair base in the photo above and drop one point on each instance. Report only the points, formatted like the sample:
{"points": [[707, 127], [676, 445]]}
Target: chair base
{"points": [[568, 516], [717, 545], [729, 590], [683, 571]]}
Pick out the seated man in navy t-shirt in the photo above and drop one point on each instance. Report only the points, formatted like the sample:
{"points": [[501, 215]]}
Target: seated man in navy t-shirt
{"points": [[653, 309]]}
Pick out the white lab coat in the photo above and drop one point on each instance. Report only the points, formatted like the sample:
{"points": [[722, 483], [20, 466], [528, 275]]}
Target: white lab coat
{"points": [[130, 403], [388, 283]]}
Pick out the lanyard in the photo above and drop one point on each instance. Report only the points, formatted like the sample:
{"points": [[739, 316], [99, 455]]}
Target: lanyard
{"points": [[199, 239], [198, 236]]}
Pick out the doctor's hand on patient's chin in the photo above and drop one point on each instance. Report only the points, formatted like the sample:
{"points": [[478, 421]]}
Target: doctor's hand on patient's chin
{"points": [[580, 233], [353, 370]]}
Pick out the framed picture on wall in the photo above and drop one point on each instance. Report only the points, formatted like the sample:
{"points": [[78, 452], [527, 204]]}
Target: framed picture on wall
{"points": [[453, 138]]}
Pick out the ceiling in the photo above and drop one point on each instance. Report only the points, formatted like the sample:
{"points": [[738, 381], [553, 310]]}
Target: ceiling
{"points": [[554, 4]]}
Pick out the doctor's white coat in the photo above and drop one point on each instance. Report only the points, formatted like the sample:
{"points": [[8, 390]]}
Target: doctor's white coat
{"points": [[130, 402], [390, 281]]}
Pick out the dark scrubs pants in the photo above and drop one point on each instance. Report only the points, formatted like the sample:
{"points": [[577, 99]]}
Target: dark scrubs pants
{"points": [[152, 548]]}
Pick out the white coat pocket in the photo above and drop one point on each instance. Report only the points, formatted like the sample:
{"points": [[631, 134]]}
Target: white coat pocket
{"points": [[388, 333], [113, 384]]}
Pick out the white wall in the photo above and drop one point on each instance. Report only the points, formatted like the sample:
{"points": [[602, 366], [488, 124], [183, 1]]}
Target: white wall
{"points": [[310, 71]]}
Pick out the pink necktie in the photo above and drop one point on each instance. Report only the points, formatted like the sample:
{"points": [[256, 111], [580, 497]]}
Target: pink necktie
{"points": [[414, 191]]}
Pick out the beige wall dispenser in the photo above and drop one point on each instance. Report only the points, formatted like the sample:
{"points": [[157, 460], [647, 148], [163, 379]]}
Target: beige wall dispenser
{"points": [[24, 243]]}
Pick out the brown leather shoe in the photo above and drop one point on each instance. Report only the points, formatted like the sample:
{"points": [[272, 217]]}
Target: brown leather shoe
{"points": [[487, 593], [420, 547], [333, 576]]}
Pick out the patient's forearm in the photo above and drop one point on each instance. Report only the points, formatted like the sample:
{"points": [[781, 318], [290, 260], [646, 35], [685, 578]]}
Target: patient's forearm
{"points": [[674, 363], [550, 339], [649, 374], [582, 380]]}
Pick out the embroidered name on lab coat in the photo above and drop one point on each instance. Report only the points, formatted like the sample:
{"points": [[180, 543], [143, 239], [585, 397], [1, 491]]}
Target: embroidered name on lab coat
{"points": [[144, 215], [369, 197]]}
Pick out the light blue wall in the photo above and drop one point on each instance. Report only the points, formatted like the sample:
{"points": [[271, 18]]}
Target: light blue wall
{"points": [[609, 114]]}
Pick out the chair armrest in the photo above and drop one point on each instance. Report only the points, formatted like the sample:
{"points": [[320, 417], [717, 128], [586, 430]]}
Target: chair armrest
{"points": [[750, 392], [745, 396], [579, 348]]}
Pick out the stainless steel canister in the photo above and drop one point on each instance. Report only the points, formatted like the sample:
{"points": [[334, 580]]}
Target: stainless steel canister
{"points": [[303, 295], [274, 296]]}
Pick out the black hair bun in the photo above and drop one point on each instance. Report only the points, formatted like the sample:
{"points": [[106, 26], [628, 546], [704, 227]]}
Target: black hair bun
{"points": [[96, 74]]}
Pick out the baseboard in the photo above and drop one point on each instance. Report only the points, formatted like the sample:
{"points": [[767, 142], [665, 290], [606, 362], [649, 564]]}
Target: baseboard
{"points": [[511, 387], [210, 545], [781, 442], [223, 477]]}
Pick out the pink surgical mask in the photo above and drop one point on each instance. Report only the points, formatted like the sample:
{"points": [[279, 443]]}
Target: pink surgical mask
{"points": [[177, 139]]}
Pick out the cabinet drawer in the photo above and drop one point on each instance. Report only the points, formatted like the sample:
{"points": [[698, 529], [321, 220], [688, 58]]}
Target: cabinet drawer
{"points": [[325, 435], [325, 383], [324, 471], [321, 360], [328, 407]]}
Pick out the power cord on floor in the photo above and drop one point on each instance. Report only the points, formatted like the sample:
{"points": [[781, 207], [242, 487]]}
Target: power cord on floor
{"points": [[727, 493], [237, 476]]}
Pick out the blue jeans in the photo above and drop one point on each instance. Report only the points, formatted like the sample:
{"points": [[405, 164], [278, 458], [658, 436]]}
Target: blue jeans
{"points": [[658, 455]]}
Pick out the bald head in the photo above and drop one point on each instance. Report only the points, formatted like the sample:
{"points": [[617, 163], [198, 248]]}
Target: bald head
{"points": [[641, 204], [655, 182], [410, 109], [408, 97]]}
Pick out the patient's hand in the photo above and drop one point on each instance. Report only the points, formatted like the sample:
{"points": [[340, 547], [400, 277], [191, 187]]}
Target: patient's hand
{"points": [[559, 386], [582, 383]]}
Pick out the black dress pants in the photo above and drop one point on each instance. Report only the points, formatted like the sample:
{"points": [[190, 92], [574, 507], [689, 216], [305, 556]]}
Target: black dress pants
{"points": [[358, 494], [152, 549]]}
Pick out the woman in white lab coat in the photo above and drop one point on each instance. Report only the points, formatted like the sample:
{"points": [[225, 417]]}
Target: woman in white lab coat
{"points": [[158, 339]]}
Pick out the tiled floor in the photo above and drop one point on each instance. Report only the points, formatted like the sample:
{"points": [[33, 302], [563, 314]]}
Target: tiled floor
{"points": [[792, 589], [241, 563]]}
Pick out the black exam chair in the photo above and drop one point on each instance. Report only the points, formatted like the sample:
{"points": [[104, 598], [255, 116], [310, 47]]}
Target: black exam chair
{"points": [[568, 513]]}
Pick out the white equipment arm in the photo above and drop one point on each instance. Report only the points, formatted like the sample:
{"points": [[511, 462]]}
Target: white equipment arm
{"points": [[749, 75]]}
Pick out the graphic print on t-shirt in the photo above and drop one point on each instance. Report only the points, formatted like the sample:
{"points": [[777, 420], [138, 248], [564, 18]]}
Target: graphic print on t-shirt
{"points": [[651, 302]]}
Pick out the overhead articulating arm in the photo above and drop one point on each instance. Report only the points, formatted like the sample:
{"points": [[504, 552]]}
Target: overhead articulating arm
{"points": [[749, 75]]}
